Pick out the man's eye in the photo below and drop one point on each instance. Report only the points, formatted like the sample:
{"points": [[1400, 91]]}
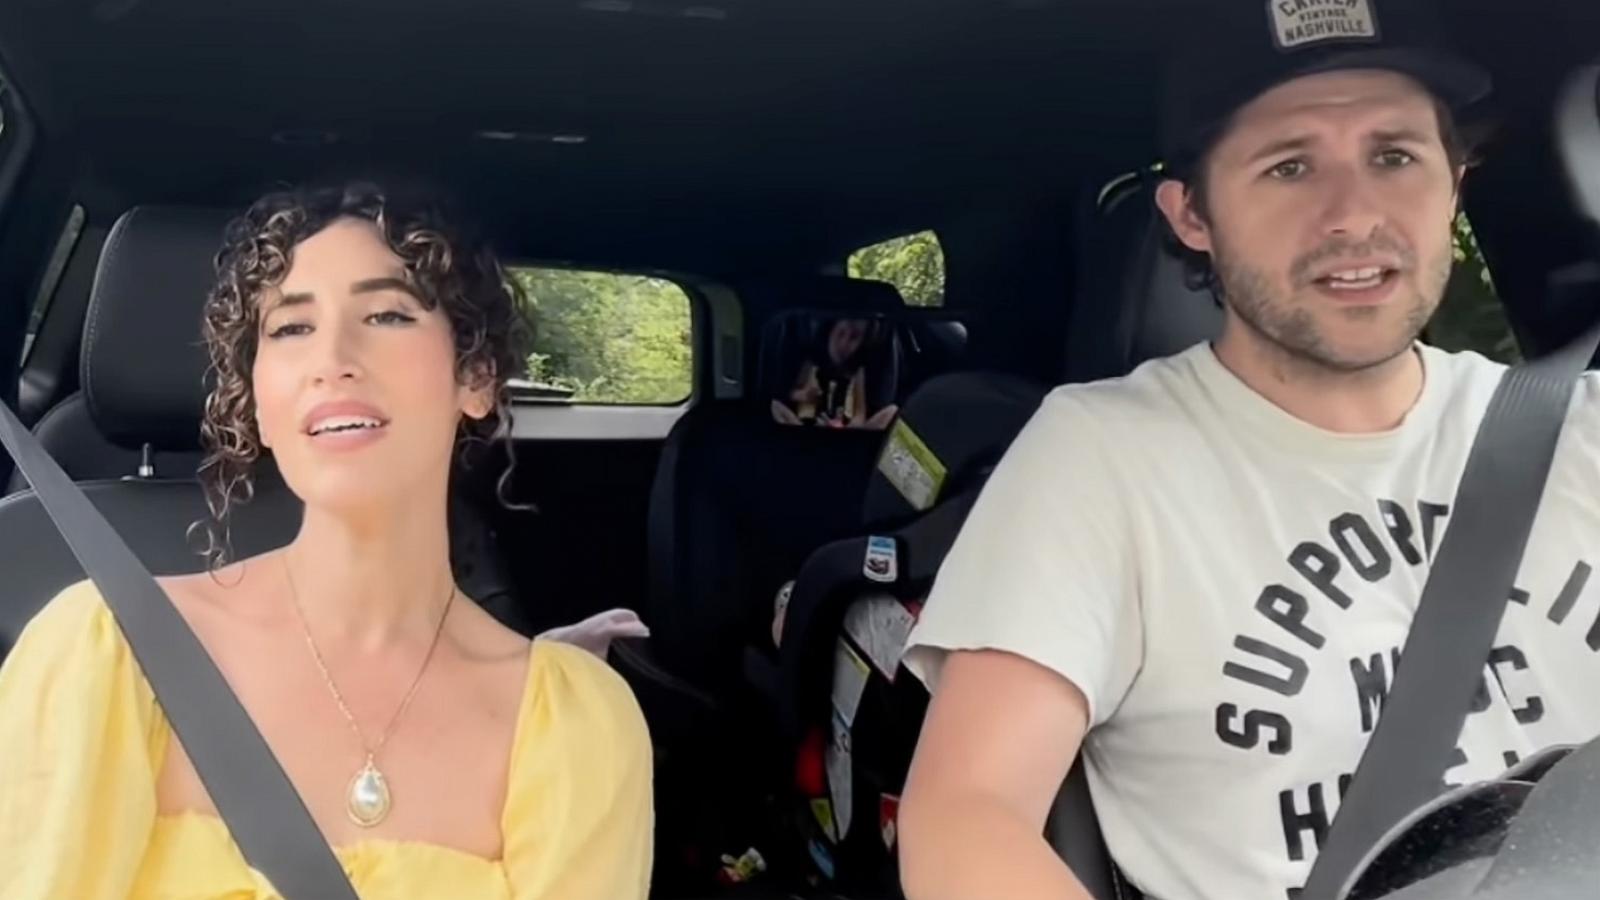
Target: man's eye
{"points": [[1288, 169], [1395, 159]]}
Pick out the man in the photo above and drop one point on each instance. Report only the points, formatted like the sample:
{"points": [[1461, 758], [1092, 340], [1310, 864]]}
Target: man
{"points": [[1201, 574]]}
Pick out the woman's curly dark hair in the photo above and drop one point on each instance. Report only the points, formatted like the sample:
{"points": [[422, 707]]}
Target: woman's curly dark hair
{"points": [[451, 269]]}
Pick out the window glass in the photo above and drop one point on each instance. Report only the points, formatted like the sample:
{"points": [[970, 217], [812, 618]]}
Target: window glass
{"points": [[1471, 316], [607, 337], [914, 263]]}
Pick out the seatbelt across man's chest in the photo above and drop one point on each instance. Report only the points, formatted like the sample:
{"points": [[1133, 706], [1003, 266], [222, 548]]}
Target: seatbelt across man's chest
{"points": [[1460, 610]]}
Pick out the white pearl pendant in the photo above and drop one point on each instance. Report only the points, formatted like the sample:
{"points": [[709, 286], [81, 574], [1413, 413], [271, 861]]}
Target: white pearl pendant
{"points": [[368, 799]]}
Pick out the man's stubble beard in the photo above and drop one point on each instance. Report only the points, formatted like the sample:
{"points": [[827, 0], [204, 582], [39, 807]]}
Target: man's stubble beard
{"points": [[1292, 329]]}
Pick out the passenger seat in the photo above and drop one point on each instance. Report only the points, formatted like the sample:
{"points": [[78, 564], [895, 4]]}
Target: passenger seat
{"points": [[142, 375], [130, 437]]}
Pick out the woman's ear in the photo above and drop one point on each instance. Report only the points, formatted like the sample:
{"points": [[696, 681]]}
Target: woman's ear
{"points": [[478, 390], [478, 404]]}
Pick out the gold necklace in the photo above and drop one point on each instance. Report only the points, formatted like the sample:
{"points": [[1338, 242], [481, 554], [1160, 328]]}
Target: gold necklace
{"points": [[368, 798]]}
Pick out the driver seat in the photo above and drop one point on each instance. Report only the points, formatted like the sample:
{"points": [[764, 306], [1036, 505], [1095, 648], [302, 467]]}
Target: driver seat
{"points": [[1135, 305]]}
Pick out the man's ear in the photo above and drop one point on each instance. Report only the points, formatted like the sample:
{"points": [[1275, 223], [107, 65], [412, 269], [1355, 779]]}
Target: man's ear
{"points": [[1174, 199]]}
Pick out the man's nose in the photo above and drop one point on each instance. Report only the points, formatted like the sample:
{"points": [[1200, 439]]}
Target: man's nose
{"points": [[1351, 204]]}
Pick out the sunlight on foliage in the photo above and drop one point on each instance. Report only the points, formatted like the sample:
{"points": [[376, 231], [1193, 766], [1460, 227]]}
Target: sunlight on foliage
{"points": [[1471, 316], [913, 263], [609, 338]]}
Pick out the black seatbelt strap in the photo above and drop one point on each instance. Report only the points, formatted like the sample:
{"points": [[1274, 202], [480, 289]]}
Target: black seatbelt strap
{"points": [[1459, 612], [264, 814]]}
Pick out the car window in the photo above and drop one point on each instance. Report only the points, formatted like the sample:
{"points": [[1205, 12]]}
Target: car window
{"points": [[607, 338], [914, 263], [1471, 316]]}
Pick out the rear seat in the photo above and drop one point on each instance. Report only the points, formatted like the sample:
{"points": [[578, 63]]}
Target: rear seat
{"points": [[142, 376], [739, 500]]}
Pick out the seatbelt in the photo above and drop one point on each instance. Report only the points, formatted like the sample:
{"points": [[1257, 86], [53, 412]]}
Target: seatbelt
{"points": [[264, 814], [1459, 612]]}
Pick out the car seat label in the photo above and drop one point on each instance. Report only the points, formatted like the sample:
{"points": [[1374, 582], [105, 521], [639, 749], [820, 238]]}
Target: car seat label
{"points": [[1301, 23], [822, 811], [879, 625], [839, 776], [911, 467], [780, 611], [850, 674], [883, 560]]}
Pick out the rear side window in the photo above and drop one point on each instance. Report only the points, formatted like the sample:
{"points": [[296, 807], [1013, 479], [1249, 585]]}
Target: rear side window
{"points": [[1471, 316], [914, 263], [607, 338]]}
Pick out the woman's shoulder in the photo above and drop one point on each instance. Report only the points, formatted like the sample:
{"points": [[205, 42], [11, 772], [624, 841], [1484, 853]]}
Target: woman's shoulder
{"points": [[583, 693], [73, 651], [76, 618]]}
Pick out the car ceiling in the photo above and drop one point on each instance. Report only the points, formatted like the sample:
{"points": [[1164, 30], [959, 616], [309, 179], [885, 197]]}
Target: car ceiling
{"points": [[714, 133]]}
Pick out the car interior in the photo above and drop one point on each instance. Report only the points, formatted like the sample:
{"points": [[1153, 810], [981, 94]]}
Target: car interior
{"points": [[742, 151]]}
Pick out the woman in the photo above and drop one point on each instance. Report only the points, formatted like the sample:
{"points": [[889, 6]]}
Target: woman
{"points": [[442, 755]]}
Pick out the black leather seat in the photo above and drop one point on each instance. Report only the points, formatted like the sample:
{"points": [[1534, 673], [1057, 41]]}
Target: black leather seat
{"points": [[141, 374], [1133, 301], [1135, 304], [141, 359], [739, 501]]}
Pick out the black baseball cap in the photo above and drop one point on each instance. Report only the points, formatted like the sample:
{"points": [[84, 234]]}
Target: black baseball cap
{"points": [[1242, 48]]}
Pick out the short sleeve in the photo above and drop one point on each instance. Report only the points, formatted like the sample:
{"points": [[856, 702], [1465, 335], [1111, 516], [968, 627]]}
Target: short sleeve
{"points": [[79, 746], [580, 818], [1045, 566]]}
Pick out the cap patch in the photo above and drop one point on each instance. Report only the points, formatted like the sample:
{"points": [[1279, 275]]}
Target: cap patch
{"points": [[1303, 23]]}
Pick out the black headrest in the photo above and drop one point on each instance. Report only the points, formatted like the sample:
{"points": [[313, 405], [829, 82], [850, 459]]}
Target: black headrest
{"points": [[953, 429], [1133, 303], [1578, 138], [143, 363]]}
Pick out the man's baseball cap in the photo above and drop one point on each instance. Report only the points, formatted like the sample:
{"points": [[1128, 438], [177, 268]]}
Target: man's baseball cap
{"points": [[1242, 48]]}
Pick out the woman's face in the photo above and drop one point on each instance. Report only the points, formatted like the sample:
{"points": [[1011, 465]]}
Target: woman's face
{"points": [[355, 383]]}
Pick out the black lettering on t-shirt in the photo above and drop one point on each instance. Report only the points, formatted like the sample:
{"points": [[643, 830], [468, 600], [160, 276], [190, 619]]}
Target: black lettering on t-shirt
{"points": [[1287, 685], [1287, 610], [1295, 823], [1248, 737], [1511, 758], [1377, 562], [1532, 708], [1319, 565], [1372, 688], [1430, 513], [1400, 530], [1519, 596], [1570, 593]]}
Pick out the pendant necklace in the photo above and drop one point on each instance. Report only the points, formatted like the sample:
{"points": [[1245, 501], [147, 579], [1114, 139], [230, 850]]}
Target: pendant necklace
{"points": [[368, 798]]}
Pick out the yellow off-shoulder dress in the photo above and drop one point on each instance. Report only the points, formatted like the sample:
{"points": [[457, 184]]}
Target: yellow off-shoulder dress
{"points": [[82, 741]]}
